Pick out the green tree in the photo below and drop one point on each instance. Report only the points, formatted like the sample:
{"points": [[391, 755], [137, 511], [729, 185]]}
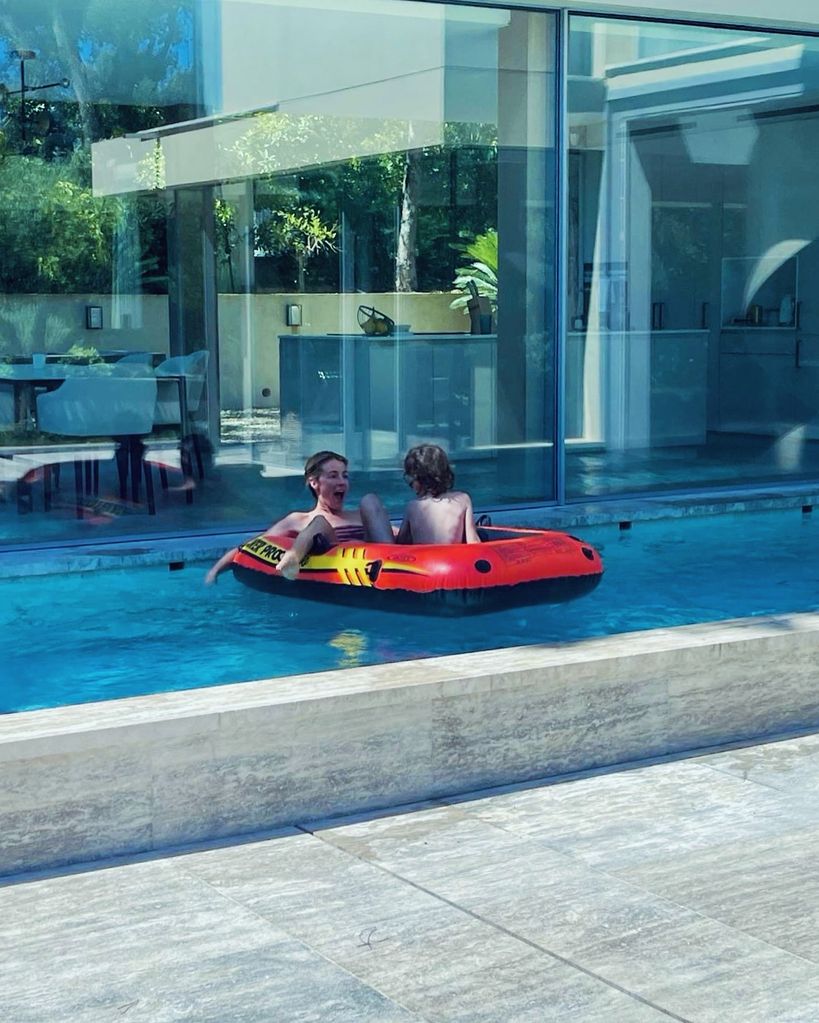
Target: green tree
{"points": [[301, 232], [130, 68], [405, 213]]}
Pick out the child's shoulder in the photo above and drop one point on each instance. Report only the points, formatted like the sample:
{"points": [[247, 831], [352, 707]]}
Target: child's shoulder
{"points": [[424, 500]]}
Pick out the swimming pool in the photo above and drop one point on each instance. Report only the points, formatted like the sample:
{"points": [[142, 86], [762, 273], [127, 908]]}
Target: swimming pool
{"points": [[80, 637]]}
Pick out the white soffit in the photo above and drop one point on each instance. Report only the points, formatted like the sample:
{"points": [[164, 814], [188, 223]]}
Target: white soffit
{"points": [[348, 106], [246, 147], [784, 13], [799, 15], [743, 68], [403, 8]]}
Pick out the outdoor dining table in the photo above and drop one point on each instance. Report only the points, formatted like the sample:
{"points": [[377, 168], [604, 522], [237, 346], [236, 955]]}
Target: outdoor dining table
{"points": [[27, 378]]}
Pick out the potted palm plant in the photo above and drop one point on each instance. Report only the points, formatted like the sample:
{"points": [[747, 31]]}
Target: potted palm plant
{"points": [[480, 275]]}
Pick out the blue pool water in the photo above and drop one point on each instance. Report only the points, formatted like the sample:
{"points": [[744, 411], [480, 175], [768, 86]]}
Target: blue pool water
{"points": [[102, 635]]}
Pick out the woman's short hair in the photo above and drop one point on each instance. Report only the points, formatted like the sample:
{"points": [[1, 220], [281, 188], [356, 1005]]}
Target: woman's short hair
{"points": [[429, 466]]}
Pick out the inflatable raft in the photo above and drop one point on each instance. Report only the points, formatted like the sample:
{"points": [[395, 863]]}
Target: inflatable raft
{"points": [[509, 568]]}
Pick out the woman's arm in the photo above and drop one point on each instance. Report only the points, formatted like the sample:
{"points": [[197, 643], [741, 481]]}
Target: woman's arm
{"points": [[291, 560], [291, 522], [218, 567]]}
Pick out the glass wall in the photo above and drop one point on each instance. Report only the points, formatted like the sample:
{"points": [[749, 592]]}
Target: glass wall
{"points": [[236, 231], [693, 341]]}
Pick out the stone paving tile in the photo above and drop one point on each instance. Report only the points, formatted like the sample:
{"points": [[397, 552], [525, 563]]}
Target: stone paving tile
{"points": [[625, 818], [438, 841], [768, 889], [427, 954], [669, 954], [146, 943], [530, 989], [704, 971], [666, 949], [788, 766], [679, 891], [310, 888]]}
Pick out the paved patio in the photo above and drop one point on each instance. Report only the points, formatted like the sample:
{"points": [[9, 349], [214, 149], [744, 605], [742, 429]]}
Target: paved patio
{"points": [[684, 890]]}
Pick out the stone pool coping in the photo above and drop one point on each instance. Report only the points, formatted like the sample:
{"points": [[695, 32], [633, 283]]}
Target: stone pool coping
{"points": [[146, 773]]}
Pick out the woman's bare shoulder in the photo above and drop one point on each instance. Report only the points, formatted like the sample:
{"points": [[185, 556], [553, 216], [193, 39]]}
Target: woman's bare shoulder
{"points": [[292, 521]]}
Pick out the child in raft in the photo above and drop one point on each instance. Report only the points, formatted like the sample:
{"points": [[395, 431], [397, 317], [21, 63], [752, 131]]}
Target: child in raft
{"points": [[438, 514]]}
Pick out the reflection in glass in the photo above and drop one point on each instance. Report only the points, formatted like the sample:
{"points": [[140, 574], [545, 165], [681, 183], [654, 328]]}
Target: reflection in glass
{"points": [[214, 165], [693, 344]]}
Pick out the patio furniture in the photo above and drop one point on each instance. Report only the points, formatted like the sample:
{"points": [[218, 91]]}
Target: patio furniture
{"points": [[140, 362], [179, 403], [97, 405]]}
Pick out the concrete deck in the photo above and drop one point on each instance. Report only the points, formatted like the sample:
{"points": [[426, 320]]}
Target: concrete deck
{"points": [[683, 890]]}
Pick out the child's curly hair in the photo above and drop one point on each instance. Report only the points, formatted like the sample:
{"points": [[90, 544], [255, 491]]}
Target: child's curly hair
{"points": [[429, 466]]}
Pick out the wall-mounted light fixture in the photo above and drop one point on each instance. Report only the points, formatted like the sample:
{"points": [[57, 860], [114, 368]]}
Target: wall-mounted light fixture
{"points": [[93, 317]]}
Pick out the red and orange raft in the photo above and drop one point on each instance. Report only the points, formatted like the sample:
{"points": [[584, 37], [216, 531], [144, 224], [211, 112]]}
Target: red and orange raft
{"points": [[511, 567]]}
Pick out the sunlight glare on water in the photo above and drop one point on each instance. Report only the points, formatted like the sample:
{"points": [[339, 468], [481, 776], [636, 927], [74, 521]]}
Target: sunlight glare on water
{"points": [[126, 632]]}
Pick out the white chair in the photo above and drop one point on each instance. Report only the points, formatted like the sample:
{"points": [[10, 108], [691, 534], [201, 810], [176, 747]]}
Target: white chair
{"points": [[135, 364], [102, 405], [193, 369]]}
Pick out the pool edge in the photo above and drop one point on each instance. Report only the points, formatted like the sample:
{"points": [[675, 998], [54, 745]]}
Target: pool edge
{"points": [[145, 773]]}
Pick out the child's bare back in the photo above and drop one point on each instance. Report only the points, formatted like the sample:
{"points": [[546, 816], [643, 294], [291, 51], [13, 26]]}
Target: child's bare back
{"points": [[438, 519], [438, 514]]}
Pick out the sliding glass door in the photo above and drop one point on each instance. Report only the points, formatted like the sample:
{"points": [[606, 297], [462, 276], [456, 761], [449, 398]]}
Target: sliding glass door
{"points": [[693, 333]]}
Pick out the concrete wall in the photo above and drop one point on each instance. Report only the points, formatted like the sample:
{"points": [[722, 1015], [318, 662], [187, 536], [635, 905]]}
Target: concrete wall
{"points": [[53, 323], [134, 775], [249, 329], [250, 325]]}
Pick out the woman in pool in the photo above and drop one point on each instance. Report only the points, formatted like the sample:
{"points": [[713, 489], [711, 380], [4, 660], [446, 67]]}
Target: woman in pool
{"points": [[326, 523]]}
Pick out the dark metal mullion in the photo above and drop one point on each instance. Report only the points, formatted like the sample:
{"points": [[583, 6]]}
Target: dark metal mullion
{"points": [[561, 193]]}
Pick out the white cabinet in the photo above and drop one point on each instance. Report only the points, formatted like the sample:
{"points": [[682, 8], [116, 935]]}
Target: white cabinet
{"points": [[769, 382], [679, 387]]}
